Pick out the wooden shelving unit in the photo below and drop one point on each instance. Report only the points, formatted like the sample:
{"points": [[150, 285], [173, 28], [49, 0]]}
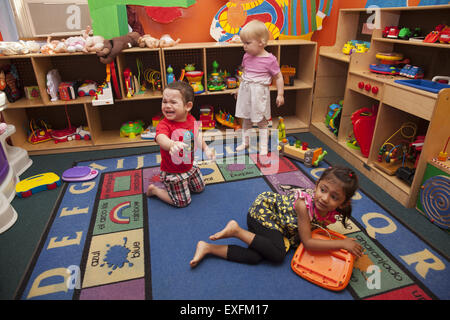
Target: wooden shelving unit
{"points": [[104, 121], [338, 76], [306, 102]]}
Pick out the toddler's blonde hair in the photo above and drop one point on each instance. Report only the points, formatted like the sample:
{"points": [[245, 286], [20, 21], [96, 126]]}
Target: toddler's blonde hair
{"points": [[255, 30]]}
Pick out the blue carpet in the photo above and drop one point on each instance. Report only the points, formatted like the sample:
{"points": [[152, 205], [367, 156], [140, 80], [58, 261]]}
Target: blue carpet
{"points": [[157, 248]]}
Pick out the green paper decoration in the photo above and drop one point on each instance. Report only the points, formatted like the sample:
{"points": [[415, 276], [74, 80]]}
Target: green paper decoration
{"points": [[109, 18]]}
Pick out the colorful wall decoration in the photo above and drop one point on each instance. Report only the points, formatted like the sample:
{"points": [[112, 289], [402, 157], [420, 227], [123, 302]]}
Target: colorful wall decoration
{"points": [[285, 19]]}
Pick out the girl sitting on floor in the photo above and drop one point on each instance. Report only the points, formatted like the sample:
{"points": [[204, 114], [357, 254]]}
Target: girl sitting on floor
{"points": [[274, 217]]}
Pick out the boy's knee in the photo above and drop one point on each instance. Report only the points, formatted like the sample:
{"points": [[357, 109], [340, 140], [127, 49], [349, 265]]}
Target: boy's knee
{"points": [[199, 189]]}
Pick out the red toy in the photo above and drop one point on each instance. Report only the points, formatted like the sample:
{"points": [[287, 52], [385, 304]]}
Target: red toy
{"points": [[444, 37], [363, 121], [393, 32], [67, 90], [207, 117], [434, 35]]}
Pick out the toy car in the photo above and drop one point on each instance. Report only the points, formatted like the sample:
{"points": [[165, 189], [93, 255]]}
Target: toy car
{"points": [[405, 33], [444, 37], [88, 88], [37, 183], [393, 32], [68, 90]]}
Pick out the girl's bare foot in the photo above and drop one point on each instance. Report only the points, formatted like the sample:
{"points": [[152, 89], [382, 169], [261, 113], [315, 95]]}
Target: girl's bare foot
{"points": [[151, 190], [229, 231], [200, 253]]}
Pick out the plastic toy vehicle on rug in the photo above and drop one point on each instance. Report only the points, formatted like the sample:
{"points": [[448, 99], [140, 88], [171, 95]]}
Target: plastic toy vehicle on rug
{"points": [[37, 183]]}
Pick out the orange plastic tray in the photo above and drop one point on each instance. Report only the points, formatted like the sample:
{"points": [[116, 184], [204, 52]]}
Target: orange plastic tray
{"points": [[329, 269]]}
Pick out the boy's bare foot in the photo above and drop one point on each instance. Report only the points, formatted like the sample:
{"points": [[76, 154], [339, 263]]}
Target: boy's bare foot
{"points": [[151, 190], [227, 232], [200, 253]]}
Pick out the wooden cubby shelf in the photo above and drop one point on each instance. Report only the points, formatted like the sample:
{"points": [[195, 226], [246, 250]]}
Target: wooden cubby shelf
{"points": [[104, 121], [338, 76]]}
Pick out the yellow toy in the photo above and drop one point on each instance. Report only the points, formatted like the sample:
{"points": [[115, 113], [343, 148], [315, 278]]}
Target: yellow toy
{"points": [[288, 73], [37, 183], [281, 130]]}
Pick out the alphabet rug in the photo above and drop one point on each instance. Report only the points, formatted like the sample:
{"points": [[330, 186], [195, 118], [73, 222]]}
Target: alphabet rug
{"points": [[107, 240]]}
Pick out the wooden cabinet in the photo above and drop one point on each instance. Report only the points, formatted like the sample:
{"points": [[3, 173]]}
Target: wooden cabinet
{"points": [[346, 77], [104, 121]]}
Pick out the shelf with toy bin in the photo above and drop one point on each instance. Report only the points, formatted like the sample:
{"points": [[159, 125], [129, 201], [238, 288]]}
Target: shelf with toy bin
{"points": [[106, 122], [35, 125], [27, 81], [358, 117], [175, 59], [426, 18], [331, 77], [144, 80], [222, 71], [333, 69], [397, 149], [70, 69]]}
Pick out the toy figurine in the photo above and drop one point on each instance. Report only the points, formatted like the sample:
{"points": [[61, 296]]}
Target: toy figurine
{"points": [[53, 81], [215, 79], [170, 75], [281, 130]]}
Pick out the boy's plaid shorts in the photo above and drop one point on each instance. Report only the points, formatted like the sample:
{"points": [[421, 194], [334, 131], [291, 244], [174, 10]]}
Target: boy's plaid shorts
{"points": [[180, 185]]}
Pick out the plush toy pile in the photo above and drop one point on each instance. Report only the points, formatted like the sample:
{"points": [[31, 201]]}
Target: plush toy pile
{"points": [[106, 50]]}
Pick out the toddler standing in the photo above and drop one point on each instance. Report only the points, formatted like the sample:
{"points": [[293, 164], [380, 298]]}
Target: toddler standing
{"points": [[259, 68]]}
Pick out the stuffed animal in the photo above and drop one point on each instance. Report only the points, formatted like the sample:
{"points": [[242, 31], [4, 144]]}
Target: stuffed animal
{"points": [[12, 48], [93, 43], [75, 44], [112, 47], [167, 41], [148, 41], [49, 47]]}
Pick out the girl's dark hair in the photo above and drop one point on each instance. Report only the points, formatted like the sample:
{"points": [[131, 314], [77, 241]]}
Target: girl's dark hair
{"points": [[349, 183], [187, 93]]}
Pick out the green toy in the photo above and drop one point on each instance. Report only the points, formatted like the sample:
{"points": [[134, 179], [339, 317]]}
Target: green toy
{"points": [[131, 129], [216, 80]]}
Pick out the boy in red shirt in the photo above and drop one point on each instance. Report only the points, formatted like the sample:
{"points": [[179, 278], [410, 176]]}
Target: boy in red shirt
{"points": [[176, 135]]}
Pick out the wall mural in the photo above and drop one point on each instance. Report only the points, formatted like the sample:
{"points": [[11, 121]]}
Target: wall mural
{"points": [[288, 19], [284, 18]]}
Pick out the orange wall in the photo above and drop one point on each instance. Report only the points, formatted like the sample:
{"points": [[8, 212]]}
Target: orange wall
{"points": [[194, 25]]}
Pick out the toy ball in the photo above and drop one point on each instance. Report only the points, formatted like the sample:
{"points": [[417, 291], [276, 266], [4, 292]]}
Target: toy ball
{"points": [[37, 183]]}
